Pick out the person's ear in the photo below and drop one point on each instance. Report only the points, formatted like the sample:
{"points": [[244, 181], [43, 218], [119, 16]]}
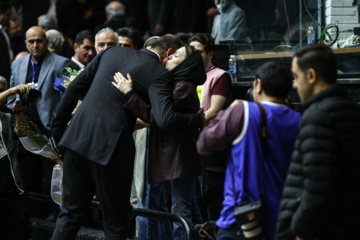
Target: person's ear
{"points": [[258, 86], [311, 76], [211, 54], [75, 46], [170, 51]]}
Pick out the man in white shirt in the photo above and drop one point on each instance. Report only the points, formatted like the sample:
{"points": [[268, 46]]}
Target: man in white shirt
{"points": [[84, 49]]}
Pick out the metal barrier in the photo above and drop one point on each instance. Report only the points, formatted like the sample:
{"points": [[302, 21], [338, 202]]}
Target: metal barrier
{"points": [[134, 213], [162, 216]]}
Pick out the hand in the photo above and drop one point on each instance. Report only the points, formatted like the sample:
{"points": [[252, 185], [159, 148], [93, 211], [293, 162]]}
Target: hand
{"points": [[19, 89], [141, 124], [201, 112], [54, 159], [235, 102], [17, 107], [122, 84]]}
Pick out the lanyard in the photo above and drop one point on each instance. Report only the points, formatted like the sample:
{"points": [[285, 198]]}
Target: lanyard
{"points": [[34, 66], [210, 68]]}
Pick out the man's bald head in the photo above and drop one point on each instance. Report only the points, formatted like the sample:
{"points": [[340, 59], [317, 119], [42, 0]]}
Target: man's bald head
{"points": [[36, 42]]}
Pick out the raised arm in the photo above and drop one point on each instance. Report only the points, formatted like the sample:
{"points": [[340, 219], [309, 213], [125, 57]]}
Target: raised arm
{"points": [[160, 94], [134, 104]]}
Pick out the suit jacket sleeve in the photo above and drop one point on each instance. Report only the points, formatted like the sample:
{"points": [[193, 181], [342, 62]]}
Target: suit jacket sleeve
{"points": [[76, 90], [160, 94], [137, 106], [182, 97]]}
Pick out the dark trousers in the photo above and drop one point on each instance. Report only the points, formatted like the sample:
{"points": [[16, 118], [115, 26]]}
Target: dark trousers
{"points": [[232, 233], [212, 185], [113, 185], [36, 174], [14, 220]]}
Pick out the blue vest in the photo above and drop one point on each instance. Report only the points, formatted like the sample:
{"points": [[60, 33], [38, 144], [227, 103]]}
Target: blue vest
{"points": [[251, 171]]}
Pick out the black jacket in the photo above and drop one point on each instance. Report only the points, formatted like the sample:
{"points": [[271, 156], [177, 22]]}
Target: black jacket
{"points": [[172, 154], [322, 190], [96, 128]]}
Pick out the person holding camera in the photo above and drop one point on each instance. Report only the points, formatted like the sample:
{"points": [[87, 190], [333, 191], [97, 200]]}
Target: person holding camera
{"points": [[38, 69], [14, 221], [256, 167]]}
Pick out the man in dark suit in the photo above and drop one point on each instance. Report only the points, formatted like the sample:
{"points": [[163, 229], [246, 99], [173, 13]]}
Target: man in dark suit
{"points": [[98, 143], [84, 49], [5, 47]]}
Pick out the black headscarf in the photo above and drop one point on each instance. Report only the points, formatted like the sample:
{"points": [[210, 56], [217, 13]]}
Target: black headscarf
{"points": [[191, 70]]}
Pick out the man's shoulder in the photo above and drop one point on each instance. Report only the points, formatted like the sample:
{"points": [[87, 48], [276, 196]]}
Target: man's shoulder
{"points": [[21, 60], [57, 58]]}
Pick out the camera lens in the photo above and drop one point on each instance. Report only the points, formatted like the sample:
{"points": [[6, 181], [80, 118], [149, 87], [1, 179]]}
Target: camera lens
{"points": [[32, 96], [253, 230], [249, 94]]}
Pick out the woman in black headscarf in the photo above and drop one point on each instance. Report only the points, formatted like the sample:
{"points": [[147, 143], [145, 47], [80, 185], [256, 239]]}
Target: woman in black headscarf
{"points": [[173, 155]]}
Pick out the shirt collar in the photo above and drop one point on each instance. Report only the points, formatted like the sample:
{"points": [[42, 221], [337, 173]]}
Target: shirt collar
{"points": [[81, 66], [156, 54]]}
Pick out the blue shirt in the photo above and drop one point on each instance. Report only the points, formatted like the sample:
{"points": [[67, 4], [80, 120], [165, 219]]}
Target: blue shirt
{"points": [[240, 127]]}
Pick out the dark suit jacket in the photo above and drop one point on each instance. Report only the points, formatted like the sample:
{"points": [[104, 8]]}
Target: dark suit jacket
{"points": [[173, 154], [5, 65], [101, 120], [74, 66]]}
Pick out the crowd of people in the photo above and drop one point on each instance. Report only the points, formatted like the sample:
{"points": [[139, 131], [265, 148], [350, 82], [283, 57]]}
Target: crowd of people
{"points": [[157, 128]]}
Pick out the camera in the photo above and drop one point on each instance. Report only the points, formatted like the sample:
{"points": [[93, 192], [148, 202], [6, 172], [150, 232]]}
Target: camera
{"points": [[248, 215], [32, 96], [249, 95]]}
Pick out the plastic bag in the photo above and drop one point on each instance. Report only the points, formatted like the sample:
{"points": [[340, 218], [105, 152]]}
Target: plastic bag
{"points": [[56, 184]]}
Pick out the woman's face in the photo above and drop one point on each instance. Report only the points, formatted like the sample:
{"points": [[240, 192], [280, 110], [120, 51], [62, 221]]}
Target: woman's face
{"points": [[176, 58]]}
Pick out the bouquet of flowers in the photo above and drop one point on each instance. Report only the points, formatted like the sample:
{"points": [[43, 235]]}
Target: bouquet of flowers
{"points": [[35, 141], [62, 83]]}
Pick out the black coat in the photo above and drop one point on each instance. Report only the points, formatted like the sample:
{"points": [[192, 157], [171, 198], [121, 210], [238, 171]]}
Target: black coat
{"points": [[322, 190], [5, 65], [96, 127], [173, 154]]}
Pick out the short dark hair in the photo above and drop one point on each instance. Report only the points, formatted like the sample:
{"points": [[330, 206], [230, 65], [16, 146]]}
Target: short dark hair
{"points": [[319, 57], [205, 39], [167, 41], [4, 6], [130, 33], [85, 34], [276, 79]]}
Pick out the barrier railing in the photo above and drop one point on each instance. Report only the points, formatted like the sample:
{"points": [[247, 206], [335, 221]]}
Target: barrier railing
{"points": [[162, 216]]}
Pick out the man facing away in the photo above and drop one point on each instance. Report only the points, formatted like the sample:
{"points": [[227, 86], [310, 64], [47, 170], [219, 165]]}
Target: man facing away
{"points": [[252, 172], [98, 143], [321, 194]]}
